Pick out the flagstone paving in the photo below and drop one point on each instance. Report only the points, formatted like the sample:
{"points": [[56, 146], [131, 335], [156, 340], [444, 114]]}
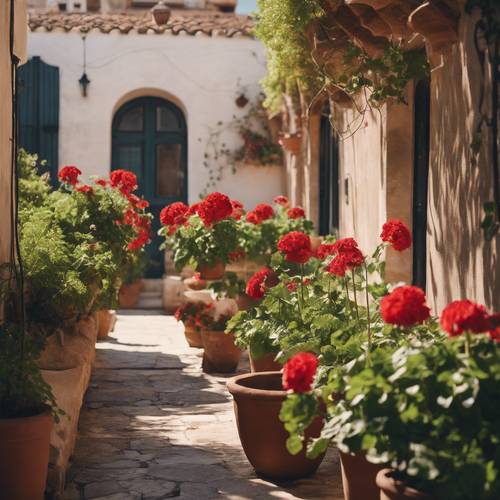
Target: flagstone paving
{"points": [[154, 426]]}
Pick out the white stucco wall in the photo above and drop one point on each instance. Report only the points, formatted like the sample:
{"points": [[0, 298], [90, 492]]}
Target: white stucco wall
{"points": [[200, 74]]}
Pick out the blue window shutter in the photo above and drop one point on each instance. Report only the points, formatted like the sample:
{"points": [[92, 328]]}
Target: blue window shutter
{"points": [[39, 111]]}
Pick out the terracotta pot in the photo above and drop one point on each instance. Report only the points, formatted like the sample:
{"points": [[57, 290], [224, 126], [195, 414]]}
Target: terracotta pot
{"points": [[245, 302], [265, 363], [193, 336], [257, 404], [105, 319], [316, 241], [358, 477], [24, 456], [291, 142], [394, 489], [129, 294], [195, 284], [221, 354], [212, 272]]}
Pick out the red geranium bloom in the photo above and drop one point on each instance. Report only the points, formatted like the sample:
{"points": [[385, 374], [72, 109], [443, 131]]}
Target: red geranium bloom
{"points": [[263, 211], [124, 180], [292, 286], [137, 202], [324, 250], [238, 210], [69, 174], [101, 182], [464, 315], [494, 331], [257, 284], [296, 213], [296, 246], [192, 210], [236, 255], [214, 208], [253, 218], [344, 244], [281, 200], [405, 306], [141, 239], [299, 372], [175, 213], [85, 189], [397, 234], [345, 260]]}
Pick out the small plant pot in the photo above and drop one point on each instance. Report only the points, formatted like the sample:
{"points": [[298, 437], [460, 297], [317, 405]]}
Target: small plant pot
{"points": [[129, 294], [358, 477], [395, 489], [265, 363], [193, 336], [244, 302], [212, 272], [257, 404], [291, 142], [221, 354], [24, 456], [105, 323]]}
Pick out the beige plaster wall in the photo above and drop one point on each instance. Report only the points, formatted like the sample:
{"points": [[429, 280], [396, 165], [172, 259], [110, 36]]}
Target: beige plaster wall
{"points": [[6, 111], [460, 263]]}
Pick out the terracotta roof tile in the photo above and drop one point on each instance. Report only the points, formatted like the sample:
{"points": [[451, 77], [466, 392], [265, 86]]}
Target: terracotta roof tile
{"points": [[208, 23]]}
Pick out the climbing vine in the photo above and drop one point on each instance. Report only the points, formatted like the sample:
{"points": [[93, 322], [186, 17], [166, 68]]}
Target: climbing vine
{"points": [[487, 44]]}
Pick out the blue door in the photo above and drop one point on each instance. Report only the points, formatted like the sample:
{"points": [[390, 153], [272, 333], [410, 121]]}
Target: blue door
{"points": [[150, 139]]}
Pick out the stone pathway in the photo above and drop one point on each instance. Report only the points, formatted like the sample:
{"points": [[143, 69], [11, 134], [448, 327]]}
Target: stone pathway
{"points": [[155, 427]]}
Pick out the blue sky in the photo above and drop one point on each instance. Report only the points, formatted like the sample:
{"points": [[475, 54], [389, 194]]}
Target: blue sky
{"points": [[246, 6]]}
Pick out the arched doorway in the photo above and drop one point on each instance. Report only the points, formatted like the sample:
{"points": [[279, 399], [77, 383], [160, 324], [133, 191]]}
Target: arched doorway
{"points": [[150, 139]]}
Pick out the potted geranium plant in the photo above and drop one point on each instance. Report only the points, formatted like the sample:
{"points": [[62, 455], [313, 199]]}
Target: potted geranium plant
{"points": [[203, 235], [190, 314], [221, 355]]}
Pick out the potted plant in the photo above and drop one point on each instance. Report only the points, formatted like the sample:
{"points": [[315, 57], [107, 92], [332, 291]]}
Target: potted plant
{"points": [[221, 355], [291, 142], [132, 283], [190, 315], [434, 421], [27, 410], [257, 402], [204, 235]]}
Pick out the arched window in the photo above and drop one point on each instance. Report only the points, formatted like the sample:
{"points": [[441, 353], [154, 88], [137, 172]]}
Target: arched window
{"points": [[150, 139]]}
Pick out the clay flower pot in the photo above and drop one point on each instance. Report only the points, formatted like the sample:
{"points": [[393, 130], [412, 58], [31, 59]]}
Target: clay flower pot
{"points": [[105, 322], [24, 456], [212, 272], [257, 403], [394, 489], [358, 477], [193, 336], [221, 354], [129, 294], [291, 142], [265, 363]]}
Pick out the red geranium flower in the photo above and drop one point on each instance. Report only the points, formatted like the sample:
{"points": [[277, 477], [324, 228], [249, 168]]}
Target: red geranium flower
{"points": [[236, 255], [263, 211], [405, 306], [253, 218], [124, 180], [137, 202], [344, 244], [175, 213], [464, 315], [101, 182], [296, 246], [494, 331], [292, 286], [69, 174], [347, 259], [324, 250], [257, 284], [238, 209], [281, 200], [85, 189], [397, 234], [192, 210], [299, 372], [296, 213], [141, 239], [214, 208]]}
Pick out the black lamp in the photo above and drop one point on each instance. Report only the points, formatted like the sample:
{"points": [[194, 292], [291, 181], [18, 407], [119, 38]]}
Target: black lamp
{"points": [[84, 79]]}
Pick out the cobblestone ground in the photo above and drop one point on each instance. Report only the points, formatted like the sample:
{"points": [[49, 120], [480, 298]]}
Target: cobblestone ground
{"points": [[154, 426]]}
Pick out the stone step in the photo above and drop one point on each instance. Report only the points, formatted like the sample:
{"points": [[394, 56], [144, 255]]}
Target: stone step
{"points": [[152, 285], [149, 302]]}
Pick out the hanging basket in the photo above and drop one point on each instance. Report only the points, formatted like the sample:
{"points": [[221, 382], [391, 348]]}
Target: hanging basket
{"points": [[292, 143]]}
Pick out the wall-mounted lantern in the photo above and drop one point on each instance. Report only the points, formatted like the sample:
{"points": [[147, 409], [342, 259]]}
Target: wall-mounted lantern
{"points": [[84, 81], [161, 13]]}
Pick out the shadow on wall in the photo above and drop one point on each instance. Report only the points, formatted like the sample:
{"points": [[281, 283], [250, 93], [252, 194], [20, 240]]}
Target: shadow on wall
{"points": [[461, 263]]}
